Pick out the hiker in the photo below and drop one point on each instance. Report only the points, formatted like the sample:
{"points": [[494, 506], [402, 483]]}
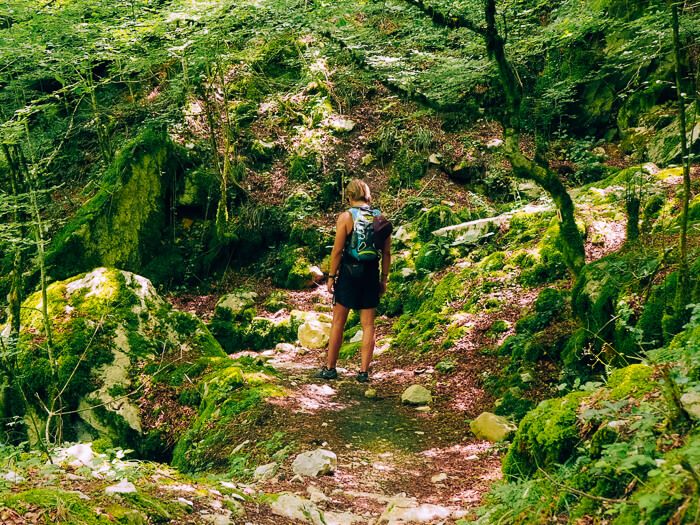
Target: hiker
{"points": [[362, 244]]}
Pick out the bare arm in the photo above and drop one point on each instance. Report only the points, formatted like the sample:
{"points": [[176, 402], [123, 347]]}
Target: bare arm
{"points": [[342, 229]]}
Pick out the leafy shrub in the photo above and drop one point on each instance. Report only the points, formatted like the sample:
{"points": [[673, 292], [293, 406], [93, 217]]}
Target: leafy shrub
{"points": [[434, 255]]}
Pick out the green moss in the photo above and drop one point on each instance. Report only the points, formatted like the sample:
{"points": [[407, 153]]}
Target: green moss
{"points": [[350, 350], [74, 510], [433, 256], [547, 436], [408, 168], [512, 404], [123, 224], [303, 167], [631, 381], [499, 326], [292, 269], [492, 262], [423, 328]]}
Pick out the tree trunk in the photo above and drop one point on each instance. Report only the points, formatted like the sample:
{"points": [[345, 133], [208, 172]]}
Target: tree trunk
{"points": [[571, 242], [684, 289]]}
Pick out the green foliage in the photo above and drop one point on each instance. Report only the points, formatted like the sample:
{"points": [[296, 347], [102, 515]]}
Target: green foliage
{"points": [[408, 168], [542, 332], [433, 219], [434, 255]]}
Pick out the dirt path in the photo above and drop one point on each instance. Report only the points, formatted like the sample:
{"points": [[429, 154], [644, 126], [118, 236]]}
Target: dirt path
{"points": [[396, 464]]}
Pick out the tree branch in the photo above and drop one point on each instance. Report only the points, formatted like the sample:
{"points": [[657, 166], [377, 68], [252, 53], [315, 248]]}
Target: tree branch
{"points": [[453, 21]]}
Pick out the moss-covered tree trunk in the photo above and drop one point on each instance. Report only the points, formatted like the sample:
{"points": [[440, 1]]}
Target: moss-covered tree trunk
{"points": [[684, 289], [571, 242], [15, 295]]}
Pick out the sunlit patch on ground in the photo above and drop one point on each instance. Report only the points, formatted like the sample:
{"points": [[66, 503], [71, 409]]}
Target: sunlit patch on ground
{"points": [[310, 398]]}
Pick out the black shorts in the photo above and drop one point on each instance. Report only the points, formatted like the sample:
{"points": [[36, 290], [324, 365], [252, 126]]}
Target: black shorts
{"points": [[357, 285]]}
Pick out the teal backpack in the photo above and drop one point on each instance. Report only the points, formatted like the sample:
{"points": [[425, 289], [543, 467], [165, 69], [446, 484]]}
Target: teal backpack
{"points": [[361, 245]]}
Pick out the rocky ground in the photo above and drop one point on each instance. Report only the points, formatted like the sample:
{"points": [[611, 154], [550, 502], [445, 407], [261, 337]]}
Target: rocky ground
{"points": [[393, 463]]}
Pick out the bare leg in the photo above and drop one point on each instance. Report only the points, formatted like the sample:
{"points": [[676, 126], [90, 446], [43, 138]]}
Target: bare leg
{"points": [[367, 320], [340, 316]]}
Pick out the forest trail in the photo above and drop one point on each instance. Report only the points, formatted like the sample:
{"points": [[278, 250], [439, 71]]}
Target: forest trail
{"points": [[396, 464]]}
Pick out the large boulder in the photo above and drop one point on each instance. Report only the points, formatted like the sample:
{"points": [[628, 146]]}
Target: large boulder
{"points": [[314, 334], [491, 427], [315, 463], [123, 224], [112, 336]]}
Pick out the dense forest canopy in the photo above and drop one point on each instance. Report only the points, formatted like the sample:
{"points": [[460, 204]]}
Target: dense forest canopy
{"points": [[171, 172]]}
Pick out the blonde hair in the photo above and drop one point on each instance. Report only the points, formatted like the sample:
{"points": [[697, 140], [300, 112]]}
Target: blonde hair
{"points": [[358, 190]]}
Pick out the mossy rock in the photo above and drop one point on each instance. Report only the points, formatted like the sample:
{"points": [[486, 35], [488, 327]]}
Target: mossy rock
{"points": [[631, 382], [123, 225], [547, 436], [235, 389], [110, 331], [196, 190], [252, 333], [292, 269]]}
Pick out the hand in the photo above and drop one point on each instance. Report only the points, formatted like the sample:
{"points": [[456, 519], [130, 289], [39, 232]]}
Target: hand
{"points": [[382, 288], [330, 284]]}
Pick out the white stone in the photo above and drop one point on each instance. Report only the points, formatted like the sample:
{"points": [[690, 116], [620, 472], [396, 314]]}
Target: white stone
{"points": [[472, 231], [357, 338], [315, 463], [80, 455], [494, 143], [416, 395], [691, 403], [407, 272], [316, 274], [295, 507], [316, 494], [342, 518], [438, 478], [491, 427], [217, 519], [434, 159], [314, 334], [284, 348], [403, 235], [13, 477], [526, 377], [341, 125], [265, 472], [123, 487], [401, 510]]}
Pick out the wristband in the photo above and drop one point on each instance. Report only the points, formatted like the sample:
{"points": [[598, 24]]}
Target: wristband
{"points": [[331, 276]]}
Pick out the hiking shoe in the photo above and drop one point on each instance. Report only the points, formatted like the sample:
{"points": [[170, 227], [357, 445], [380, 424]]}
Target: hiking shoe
{"points": [[327, 373], [362, 377]]}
